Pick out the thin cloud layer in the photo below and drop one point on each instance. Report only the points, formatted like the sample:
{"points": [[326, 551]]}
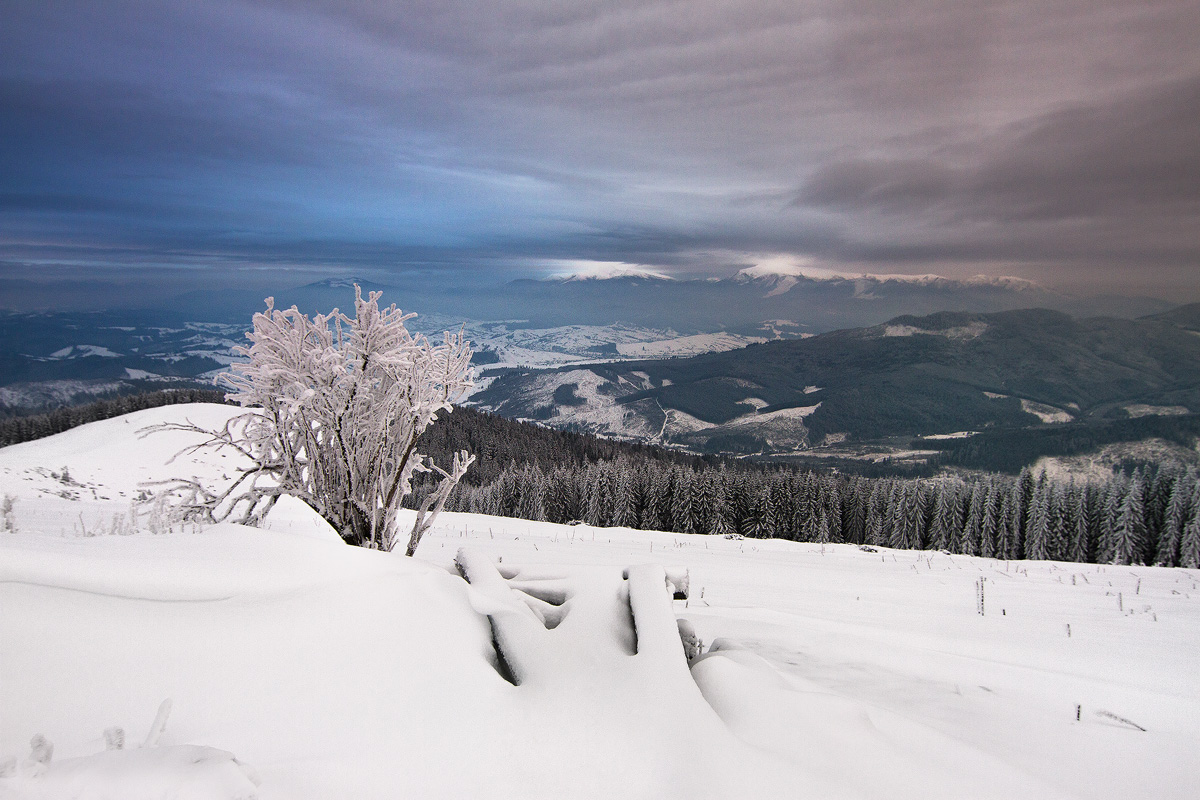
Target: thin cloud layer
{"points": [[1058, 140]]}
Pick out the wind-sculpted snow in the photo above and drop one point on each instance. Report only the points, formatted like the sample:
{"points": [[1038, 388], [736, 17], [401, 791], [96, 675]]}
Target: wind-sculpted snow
{"points": [[602, 667], [317, 663], [332, 671]]}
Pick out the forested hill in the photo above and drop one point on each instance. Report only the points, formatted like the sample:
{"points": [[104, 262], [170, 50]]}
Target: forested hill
{"points": [[1148, 514], [911, 376]]}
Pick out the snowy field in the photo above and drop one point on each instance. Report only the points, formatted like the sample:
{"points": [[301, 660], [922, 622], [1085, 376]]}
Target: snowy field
{"points": [[336, 672]]}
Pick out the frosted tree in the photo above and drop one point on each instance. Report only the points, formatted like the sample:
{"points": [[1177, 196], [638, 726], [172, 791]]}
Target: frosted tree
{"points": [[834, 515], [1037, 523], [336, 406], [989, 534], [763, 514], [1176, 517], [973, 525], [1189, 543], [1060, 521], [704, 495], [905, 517], [945, 517], [856, 521], [624, 513], [1078, 548], [599, 495], [531, 503], [877, 514], [718, 524], [1129, 530], [683, 514]]}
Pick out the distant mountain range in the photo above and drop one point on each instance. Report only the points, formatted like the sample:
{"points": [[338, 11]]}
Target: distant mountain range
{"points": [[941, 374], [815, 301], [834, 356]]}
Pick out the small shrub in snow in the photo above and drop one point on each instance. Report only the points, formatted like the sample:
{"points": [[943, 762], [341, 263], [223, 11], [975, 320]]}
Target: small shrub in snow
{"points": [[338, 403], [8, 519], [149, 772]]}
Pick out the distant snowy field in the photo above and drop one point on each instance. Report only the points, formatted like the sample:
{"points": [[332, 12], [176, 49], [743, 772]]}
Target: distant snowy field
{"points": [[335, 672]]}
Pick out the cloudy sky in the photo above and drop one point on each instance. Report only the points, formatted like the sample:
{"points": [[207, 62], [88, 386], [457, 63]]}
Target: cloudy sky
{"points": [[210, 141]]}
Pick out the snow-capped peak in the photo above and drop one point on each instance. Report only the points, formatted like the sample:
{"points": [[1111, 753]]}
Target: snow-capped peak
{"points": [[775, 269], [338, 283], [783, 268], [583, 270], [783, 273]]}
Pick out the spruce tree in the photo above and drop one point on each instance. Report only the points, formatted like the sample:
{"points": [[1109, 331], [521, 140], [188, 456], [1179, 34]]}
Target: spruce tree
{"points": [[1109, 511], [763, 514], [1026, 488], [856, 520], [945, 513], [683, 513], [989, 538], [823, 532], [703, 498], [1037, 523], [719, 521], [874, 521], [1059, 518], [834, 512], [1078, 548], [1013, 514], [624, 514], [1129, 531], [1176, 517], [1189, 540], [973, 528], [906, 516], [531, 494]]}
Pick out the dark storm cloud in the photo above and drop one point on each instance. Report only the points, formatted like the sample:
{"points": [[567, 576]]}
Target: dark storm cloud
{"points": [[1139, 152], [1056, 138], [1118, 181]]}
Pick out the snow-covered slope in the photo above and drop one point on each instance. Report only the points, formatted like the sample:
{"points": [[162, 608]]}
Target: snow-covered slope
{"points": [[336, 672]]}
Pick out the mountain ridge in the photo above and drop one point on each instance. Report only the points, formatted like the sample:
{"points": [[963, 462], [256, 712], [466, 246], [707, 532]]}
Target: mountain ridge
{"points": [[910, 376]]}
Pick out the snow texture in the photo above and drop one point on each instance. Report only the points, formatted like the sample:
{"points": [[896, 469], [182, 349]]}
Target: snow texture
{"points": [[330, 671]]}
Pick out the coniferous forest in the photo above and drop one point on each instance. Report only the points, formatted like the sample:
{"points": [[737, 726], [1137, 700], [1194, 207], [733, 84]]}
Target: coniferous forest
{"points": [[36, 426], [1148, 514]]}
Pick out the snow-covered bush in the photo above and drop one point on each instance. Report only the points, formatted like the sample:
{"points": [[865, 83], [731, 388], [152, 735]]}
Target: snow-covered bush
{"points": [[147, 772], [337, 404], [8, 517]]}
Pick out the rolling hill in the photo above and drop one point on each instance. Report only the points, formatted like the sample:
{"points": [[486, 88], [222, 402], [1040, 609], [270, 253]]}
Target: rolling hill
{"points": [[945, 373]]}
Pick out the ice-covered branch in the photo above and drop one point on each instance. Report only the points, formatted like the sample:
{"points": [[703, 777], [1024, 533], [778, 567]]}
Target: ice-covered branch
{"points": [[336, 404]]}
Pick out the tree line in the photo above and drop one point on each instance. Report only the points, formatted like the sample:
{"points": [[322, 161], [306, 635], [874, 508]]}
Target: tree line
{"points": [[37, 426], [1148, 516]]}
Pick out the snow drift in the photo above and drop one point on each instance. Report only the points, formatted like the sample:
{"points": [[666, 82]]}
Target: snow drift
{"points": [[329, 671]]}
